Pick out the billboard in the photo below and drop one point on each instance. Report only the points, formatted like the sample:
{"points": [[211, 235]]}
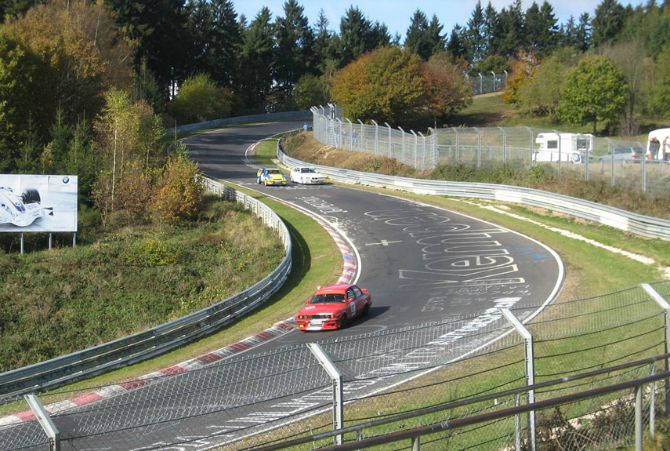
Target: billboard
{"points": [[38, 203]]}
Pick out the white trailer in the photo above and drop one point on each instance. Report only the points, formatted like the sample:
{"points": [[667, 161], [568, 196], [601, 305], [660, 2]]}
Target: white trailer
{"points": [[658, 145], [568, 147]]}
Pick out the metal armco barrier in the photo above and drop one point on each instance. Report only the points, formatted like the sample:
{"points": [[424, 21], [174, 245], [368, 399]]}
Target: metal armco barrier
{"points": [[152, 342], [637, 224]]}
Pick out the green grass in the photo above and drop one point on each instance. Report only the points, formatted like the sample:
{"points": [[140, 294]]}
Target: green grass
{"points": [[127, 281]]}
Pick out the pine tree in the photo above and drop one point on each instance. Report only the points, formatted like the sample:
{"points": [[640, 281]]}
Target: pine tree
{"points": [[256, 61], [417, 39], [475, 34], [294, 46], [608, 22]]}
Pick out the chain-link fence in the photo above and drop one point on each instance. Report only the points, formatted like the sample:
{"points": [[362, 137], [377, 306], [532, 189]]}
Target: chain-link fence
{"points": [[252, 399], [487, 82], [613, 161]]}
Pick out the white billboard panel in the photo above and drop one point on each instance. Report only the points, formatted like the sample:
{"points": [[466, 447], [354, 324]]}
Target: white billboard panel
{"points": [[38, 203]]}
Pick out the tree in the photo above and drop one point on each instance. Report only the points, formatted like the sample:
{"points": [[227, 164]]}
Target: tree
{"points": [[18, 73], [491, 29], [541, 94], [81, 53], [386, 85], [637, 68], [447, 90], [200, 99], [128, 139], [325, 47], [523, 70], [356, 36], [294, 46], [179, 189], [511, 38], [476, 41], [435, 36], [256, 61], [595, 92], [608, 21], [158, 28], [659, 97], [417, 39], [456, 44], [310, 91]]}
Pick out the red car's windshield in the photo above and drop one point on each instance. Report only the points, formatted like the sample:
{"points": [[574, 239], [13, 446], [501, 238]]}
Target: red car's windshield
{"points": [[330, 298]]}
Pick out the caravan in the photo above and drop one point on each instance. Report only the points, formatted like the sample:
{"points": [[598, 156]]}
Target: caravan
{"points": [[568, 147]]}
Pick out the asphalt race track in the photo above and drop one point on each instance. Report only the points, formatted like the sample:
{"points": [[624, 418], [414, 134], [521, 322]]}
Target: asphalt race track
{"points": [[421, 265]]}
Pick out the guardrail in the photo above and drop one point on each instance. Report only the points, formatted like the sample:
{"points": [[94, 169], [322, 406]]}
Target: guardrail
{"points": [[216, 123], [163, 338], [646, 226]]}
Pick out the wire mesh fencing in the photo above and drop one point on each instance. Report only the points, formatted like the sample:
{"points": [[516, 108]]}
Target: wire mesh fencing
{"points": [[456, 368], [615, 162]]}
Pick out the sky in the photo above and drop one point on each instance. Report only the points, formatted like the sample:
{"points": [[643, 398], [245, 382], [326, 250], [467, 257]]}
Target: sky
{"points": [[396, 14]]}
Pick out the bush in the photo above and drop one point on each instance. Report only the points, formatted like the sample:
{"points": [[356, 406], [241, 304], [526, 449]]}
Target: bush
{"points": [[179, 191], [199, 99]]}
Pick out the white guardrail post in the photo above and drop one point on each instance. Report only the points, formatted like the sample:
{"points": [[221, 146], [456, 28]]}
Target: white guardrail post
{"points": [[45, 421], [530, 368], [655, 295], [338, 393]]}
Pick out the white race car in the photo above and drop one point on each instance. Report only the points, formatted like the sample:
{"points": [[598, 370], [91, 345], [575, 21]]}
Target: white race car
{"points": [[21, 210], [307, 176]]}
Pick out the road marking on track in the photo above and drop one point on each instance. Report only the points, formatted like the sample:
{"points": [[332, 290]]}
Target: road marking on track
{"points": [[383, 243]]}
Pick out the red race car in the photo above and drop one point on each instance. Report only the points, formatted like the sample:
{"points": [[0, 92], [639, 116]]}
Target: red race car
{"points": [[333, 306]]}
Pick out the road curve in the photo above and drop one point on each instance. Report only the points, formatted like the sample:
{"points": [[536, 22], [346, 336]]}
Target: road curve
{"points": [[422, 264]]}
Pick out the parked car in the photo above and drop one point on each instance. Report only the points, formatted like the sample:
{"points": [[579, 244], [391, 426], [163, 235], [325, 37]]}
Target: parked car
{"points": [[306, 175], [625, 153], [270, 176], [333, 306]]}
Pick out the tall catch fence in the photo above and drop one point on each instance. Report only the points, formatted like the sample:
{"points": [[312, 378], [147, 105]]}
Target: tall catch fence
{"points": [[615, 162], [454, 372]]}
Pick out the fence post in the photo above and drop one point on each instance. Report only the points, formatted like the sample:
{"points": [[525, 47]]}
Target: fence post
{"points": [[402, 138], [416, 148], [390, 137], [458, 145], [479, 147], [638, 418], [423, 151], [338, 139], [517, 424], [652, 403], [481, 84], [666, 343], [609, 152], [416, 443], [644, 170], [45, 421], [504, 146], [336, 379], [361, 140], [530, 146], [558, 137], [530, 368], [376, 137], [505, 78], [433, 146], [493, 81], [351, 134]]}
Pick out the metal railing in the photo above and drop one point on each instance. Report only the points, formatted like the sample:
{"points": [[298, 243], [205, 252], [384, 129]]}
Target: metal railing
{"points": [[158, 340], [615, 162], [638, 224]]}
